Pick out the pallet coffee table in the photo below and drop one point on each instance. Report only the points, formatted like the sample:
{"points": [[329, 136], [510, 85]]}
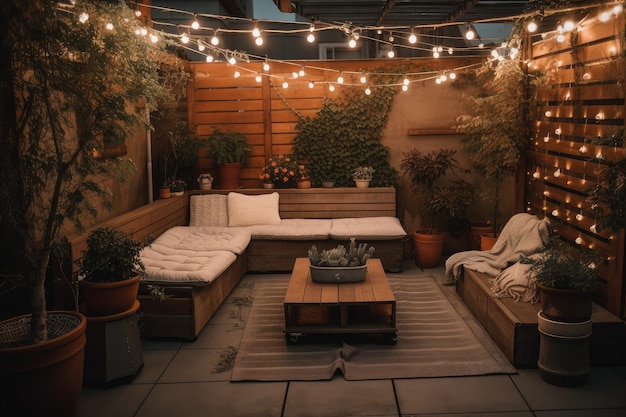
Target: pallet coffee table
{"points": [[367, 307]]}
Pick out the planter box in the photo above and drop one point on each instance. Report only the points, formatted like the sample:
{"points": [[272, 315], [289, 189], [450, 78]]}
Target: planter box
{"points": [[338, 275]]}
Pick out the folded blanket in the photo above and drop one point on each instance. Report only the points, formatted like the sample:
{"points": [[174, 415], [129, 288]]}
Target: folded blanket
{"points": [[523, 235]]}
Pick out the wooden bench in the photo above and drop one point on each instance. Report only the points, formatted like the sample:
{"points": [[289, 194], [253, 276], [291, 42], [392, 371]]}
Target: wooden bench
{"points": [[321, 203], [513, 325]]}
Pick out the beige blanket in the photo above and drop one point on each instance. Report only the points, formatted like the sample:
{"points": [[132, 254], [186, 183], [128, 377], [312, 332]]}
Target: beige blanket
{"points": [[523, 235]]}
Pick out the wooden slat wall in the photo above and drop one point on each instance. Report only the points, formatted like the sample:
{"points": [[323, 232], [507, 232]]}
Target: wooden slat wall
{"points": [[266, 112], [584, 99], [326, 203]]}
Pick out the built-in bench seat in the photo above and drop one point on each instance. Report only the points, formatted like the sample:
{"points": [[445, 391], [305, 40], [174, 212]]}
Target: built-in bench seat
{"points": [[513, 324], [181, 259]]}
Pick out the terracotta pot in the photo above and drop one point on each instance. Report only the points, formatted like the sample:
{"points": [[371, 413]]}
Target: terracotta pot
{"points": [[328, 183], [304, 183], [268, 185], [487, 241], [569, 306], [428, 247], [475, 233], [107, 298], [43, 379], [164, 192], [228, 175], [362, 183]]}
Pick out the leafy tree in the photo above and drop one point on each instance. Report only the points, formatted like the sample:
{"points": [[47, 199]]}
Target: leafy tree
{"points": [[70, 83]]}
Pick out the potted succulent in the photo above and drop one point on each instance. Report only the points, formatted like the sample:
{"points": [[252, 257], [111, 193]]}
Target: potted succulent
{"points": [[362, 176], [230, 151], [177, 187], [441, 201], [110, 270], [339, 264]]}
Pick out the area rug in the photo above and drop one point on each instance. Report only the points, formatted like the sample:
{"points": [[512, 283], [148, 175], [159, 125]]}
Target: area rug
{"points": [[435, 339]]}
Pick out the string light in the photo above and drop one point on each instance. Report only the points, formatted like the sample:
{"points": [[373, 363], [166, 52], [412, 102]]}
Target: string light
{"points": [[470, 34], [412, 38], [532, 26], [340, 78], [195, 25], [311, 84], [258, 78], [215, 40], [266, 66], [83, 17], [368, 91], [331, 87], [285, 84]]}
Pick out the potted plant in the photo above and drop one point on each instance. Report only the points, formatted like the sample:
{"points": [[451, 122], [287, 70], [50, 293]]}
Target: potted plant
{"points": [[177, 187], [495, 140], [230, 151], [439, 199], [362, 176], [304, 177], [58, 74], [339, 264], [565, 276], [110, 270], [282, 170], [205, 181]]}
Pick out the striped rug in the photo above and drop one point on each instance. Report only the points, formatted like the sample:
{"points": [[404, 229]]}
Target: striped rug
{"points": [[437, 336]]}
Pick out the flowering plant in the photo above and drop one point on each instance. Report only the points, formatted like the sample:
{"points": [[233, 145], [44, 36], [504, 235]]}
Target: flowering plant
{"points": [[281, 168], [362, 173]]}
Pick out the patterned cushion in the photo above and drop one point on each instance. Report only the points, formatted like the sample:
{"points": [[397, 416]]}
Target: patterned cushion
{"points": [[208, 210]]}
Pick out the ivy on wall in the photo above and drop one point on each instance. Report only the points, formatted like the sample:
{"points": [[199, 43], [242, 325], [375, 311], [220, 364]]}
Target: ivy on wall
{"points": [[346, 134]]}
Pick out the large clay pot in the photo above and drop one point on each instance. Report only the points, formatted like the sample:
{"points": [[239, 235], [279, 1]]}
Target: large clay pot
{"points": [[569, 306], [107, 298], [428, 247], [228, 175], [487, 241], [43, 379]]}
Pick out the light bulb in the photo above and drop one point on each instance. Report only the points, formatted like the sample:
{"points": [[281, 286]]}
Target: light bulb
{"points": [[368, 91], [137, 12], [200, 46], [294, 75], [310, 38], [536, 174], [301, 72], [258, 78], [340, 79], [391, 53], [352, 43], [593, 228], [237, 74], [569, 26], [184, 38], [195, 25], [405, 81], [452, 75], [548, 113], [285, 84], [259, 41], [583, 149], [532, 26], [605, 16], [558, 131], [363, 79], [412, 38], [109, 26], [232, 60], [557, 173], [266, 66], [405, 88], [209, 58], [579, 217], [215, 40], [470, 34], [83, 17], [143, 31], [331, 87], [560, 38], [256, 32], [311, 84], [599, 155], [154, 38], [555, 213], [436, 54], [579, 240], [450, 51]]}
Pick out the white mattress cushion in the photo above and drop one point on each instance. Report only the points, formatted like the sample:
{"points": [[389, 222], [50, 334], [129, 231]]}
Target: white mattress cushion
{"points": [[363, 228], [292, 229], [165, 264], [208, 210], [205, 239], [250, 210]]}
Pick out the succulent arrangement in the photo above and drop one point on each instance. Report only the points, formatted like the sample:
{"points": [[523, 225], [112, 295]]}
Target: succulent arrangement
{"points": [[355, 255]]}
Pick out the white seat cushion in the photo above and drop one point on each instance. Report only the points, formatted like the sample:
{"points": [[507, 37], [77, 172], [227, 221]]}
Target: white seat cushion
{"points": [[165, 264], [363, 228], [292, 229], [205, 239]]}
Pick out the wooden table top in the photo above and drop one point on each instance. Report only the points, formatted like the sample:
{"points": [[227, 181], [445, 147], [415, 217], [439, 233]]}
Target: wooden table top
{"points": [[303, 290]]}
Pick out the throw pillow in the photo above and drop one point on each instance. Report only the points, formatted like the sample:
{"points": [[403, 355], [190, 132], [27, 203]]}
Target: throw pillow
{"points": [[208, 210], [251, 210]]}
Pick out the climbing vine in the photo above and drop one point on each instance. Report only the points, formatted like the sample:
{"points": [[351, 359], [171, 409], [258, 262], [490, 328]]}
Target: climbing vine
{"points": [[345, 134]]}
